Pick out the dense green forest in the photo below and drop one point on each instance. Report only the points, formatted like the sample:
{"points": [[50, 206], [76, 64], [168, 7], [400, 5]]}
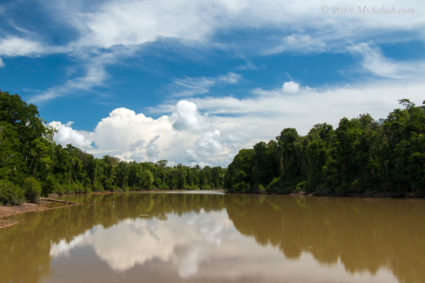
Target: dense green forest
{"points": [[31, 164], [361, 156]]}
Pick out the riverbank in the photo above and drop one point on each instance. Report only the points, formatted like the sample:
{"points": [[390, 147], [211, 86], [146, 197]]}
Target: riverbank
{"points": [[196, 191], [44, 204], [53, 202], [360, 195], [7, 211]]}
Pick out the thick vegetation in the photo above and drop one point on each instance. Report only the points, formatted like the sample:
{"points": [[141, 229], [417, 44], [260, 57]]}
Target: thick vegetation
{"points": [[361, 157], [31, 164]]}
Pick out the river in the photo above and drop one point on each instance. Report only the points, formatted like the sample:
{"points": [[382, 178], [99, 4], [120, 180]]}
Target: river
{"points": [[215, 237]]}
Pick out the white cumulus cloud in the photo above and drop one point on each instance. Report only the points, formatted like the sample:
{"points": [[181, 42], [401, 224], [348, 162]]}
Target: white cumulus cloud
{"points": [[187, 117], [184, 137], [189, 136], [67, 135], [290, 87]]}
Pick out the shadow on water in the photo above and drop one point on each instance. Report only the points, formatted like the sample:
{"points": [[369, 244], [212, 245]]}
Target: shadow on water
{"points": [[363, 234]]}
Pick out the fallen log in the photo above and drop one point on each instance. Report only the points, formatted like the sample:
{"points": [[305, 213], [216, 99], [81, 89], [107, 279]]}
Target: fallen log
{"points": [[67, 202]]}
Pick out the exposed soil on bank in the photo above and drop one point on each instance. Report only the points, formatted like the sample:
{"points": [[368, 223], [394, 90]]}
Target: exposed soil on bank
{"points": [[6, 211], [44, 204], [53, 202]]}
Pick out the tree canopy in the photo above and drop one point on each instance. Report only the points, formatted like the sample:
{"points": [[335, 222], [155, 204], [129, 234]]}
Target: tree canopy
{"points": [[360, 157], [31, 163]]}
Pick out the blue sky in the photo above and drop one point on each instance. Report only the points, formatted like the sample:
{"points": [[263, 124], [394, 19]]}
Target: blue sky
{"points": [[195, 81]]}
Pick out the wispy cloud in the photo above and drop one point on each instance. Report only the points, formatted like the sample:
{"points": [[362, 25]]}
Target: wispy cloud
{"points": [[188, 86], [191, 86], [230, 78], [307, 26], [376, 63], [15, 46], [248, 66], [95, 75], [303, 43], [301, 26], [134, 22]]}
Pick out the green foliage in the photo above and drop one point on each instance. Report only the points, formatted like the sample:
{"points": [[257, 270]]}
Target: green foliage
{"points": [[238, 177], [146, 179], [300, 186], [280, 186], [12, 162], [32, 189], [241, 187], [27, 152], [50, 186], [10, 193], [261, 189], [361, 156]]}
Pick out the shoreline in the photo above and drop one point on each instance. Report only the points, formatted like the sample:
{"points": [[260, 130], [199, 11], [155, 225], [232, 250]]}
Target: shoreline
{"points": [[53, 202], [376, 195], [361, 195], [221, 191], [43, 205], [8, 211]]}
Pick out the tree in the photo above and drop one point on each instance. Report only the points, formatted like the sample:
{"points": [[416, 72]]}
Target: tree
{"points": [[32, 189], [146, 179], [10, 193], [238, 177]]}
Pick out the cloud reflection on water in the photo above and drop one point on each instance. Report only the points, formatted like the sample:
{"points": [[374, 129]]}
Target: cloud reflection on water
{"points": [[184, 241], [203, 246]]}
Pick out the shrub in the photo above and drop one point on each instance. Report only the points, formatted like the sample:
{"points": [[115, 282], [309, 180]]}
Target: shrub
{"points": [[301, 186], [60, 189], [32, 189], [50, 186], [75, 188], [280, 186], [97, 186], [261, 189], [273, 187], [10, 193], [241, 187]]}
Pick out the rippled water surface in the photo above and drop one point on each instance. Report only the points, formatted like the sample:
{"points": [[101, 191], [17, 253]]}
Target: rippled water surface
{"points": [[193, 237]]}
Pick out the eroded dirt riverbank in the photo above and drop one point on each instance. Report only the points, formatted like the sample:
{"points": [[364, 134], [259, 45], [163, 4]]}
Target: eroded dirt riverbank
{"points": [[44, 204]]}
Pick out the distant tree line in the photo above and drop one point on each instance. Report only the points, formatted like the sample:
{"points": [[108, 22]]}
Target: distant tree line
{"points": [[32, 164], [360, 157]]}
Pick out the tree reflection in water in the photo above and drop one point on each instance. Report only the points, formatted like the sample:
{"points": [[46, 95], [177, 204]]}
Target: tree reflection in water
{"points": [[125, 230]]}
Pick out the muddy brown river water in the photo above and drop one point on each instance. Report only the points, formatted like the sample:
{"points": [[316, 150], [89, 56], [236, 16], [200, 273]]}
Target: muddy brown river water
{"points": [[213, 237]]}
